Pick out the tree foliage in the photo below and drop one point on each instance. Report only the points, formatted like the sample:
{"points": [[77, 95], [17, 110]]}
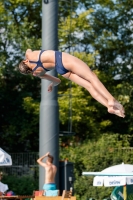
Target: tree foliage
{"points": [[99, 33], [19, 31]]}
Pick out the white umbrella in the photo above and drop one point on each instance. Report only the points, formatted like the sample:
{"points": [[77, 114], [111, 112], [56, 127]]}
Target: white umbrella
{"points": [[112, 180], [117, 175], [5, 158]]}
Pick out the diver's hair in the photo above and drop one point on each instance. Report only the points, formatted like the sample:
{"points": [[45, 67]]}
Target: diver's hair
{"points": [[50, 158], [24, 69]]}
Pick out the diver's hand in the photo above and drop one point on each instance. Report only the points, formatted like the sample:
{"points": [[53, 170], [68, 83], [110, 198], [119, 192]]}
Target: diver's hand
{"points": [[50, 87]]}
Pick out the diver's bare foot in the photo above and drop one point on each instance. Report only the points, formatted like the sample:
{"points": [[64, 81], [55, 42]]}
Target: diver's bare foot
{"points": [[116, 105], [116, 111]]}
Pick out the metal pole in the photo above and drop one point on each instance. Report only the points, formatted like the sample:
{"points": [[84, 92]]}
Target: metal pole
{"points": [[49, 116]]}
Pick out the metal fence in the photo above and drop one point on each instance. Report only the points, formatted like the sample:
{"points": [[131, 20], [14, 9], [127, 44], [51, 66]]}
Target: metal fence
{"points": [[22, 164], [26, 163]]}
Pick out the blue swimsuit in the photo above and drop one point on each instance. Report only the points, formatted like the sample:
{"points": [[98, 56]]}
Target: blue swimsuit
{"points": [[49, 186], [58, 63], [38, 63]]}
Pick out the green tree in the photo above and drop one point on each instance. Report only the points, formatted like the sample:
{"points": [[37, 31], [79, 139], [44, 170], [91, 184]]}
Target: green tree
{"points": [[96, 45], [18, 32], [81, 32]]}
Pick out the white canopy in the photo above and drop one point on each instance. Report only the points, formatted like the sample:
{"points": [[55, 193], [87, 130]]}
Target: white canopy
{"points": [[5, 158], [117, 175]]}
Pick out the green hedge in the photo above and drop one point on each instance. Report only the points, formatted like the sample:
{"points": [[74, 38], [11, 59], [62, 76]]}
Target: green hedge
{"points": [[24, 185]]}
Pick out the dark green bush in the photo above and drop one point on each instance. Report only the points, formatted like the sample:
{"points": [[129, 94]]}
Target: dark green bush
{"points": [[23, 185]]}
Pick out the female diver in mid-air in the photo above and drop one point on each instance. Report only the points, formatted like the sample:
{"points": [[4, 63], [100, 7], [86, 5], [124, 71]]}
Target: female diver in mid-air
{"points": [[39, 62]]}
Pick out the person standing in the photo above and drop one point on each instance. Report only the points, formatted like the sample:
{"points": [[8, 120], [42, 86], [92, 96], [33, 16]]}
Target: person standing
{"points": [[50, 171]]}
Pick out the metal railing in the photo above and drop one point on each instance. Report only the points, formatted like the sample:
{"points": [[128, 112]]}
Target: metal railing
{"points": [[22, 164]]}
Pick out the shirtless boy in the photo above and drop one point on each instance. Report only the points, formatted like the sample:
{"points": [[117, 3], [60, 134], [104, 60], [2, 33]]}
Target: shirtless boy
{"points": [[50, 171]]}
